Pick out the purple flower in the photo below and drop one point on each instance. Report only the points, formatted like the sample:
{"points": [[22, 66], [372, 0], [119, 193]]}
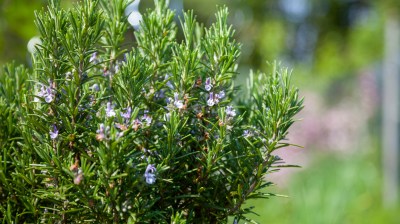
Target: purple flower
{"points": [[221, 94], [95, 87], [106, 73], [54, 132], [211, 101], [176, 96], [101, 133], [47, 93], [230, 111], [136, 124], [110, 110], [93, 58], [216, 99], [160, 94], [78, 177], [49, 97], [247, 133], [169, 84], [167, 116], [120, 134], [147, 118], [208, 84], [149, 174], [42, 91], [178, 103], [116, 68], [127, 114]]}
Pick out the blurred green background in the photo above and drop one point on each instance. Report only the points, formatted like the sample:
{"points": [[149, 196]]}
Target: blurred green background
{"points": [[335, 48]]}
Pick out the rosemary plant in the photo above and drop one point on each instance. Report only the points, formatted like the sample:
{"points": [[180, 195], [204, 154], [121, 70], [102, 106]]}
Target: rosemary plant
{"points": [[98, 132]]}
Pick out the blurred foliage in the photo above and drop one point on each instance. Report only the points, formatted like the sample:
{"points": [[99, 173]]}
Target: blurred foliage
{"points": [[16, 27], [328, 38], [333, 190], [323, 38]]}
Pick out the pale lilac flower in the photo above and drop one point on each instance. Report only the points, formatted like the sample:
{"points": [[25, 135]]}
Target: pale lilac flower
{"points": [[95, 87], [93, 58], [150, 174], [178, 103], [101, 133], [160, 94], [208, 84], [49, 97], [136, 124], [169, 100], [116, 68], [41, 93], [221, 94], [47, 93], [147, 118], [120, 134], [247, 133], [110, 110], [54, 132], [210, 101], [167, 116], [127, 114], [230, 112], [78, 177], [106, 73], [169, 84], [216, 99]]}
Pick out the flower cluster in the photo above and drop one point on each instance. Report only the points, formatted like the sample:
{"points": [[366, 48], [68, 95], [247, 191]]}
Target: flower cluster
{"points": [[176, 102], [214, 99], [46, 92], [110, 110], [127, 114]]}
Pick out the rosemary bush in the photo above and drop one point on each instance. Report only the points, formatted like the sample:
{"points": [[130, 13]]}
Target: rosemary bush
{"points": [[151, 133]]}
